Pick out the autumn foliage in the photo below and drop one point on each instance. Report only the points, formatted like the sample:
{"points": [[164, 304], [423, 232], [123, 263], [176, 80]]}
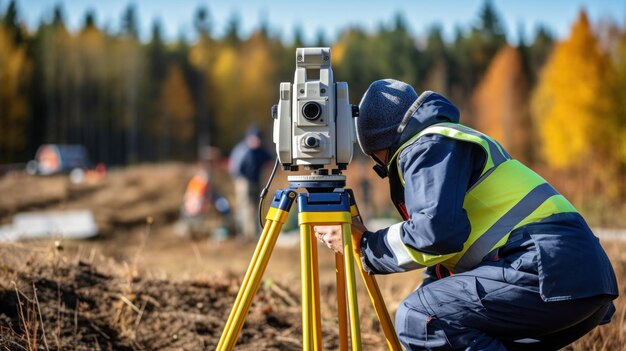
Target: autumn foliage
{"points": [[572, 101], [132, 100], [501, 104]]}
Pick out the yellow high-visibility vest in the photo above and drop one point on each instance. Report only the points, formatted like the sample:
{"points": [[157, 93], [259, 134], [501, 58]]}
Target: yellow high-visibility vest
{"points": [[506, 196]]}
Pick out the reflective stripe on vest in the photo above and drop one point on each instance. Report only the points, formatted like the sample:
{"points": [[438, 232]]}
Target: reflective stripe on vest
{"points": [[507, 196]]}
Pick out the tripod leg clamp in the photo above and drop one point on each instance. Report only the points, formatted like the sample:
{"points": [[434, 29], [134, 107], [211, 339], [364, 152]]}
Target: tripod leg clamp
{"points": [[281, 204]]}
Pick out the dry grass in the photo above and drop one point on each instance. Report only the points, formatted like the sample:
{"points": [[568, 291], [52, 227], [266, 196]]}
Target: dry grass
{"points": [[54, 300]]}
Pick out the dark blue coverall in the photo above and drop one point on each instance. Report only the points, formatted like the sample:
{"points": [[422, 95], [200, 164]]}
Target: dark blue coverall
{"points": [[548, 285]]}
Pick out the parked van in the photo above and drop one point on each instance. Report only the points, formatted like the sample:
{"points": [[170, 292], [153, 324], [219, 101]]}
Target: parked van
{"points": [[58, 158]]}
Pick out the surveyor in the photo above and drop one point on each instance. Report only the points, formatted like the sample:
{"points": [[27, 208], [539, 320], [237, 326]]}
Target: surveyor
{"points": [[247, 161], [510, 263]]}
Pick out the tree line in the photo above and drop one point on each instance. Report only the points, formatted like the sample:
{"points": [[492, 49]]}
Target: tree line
{"points": [[132, 101]]}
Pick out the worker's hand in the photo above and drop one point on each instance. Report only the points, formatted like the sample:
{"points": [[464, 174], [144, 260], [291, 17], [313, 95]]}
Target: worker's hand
{"points": [[330, 235], [358, 228]]}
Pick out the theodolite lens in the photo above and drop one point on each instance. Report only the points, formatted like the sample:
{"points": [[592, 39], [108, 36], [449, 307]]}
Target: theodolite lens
{"points": [[312, 142], [311, 110]]}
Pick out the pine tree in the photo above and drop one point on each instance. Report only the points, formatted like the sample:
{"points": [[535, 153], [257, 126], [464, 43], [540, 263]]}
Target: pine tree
{"points": [[356, 60], [90, 88], [434, 65], [130, 27], [320, 38], [397, 52], [202, 22], [540, 50], [201, 57], [231, 36]]}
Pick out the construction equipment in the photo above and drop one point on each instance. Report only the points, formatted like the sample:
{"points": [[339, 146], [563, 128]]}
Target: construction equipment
{"points": [[313, 128], [326, 201]]}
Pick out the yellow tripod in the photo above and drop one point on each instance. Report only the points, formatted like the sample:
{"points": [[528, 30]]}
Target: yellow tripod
{"points": [[327, 202]]}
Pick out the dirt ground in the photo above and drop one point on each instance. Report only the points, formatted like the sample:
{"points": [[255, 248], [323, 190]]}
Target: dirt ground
{"points": [[139, 286]]}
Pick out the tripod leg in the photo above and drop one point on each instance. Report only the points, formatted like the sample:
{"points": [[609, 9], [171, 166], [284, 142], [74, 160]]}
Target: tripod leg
{"points": [[317, 318], [253, 285], [372, 288], [342, 309], [348, 256], [275, 219], [307, 283], [379, 307], [245, 286]]}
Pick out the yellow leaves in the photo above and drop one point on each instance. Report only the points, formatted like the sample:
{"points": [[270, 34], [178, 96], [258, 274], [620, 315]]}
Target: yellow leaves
{"points": [[339, 51], [14, 74], [11, 61], [177, 105], [198, 56], [226, 62], [570, 102], [202, 53], [238, 77], [226, 87], [244, 86], [258, 71]]}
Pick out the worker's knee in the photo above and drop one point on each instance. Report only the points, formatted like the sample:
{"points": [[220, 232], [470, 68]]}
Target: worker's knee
{"points": [[416, 328], [419, 329]]}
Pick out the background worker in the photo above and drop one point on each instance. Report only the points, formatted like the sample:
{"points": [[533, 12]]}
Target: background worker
{"points": [[204, 210], [528, 272], [247, 161]]}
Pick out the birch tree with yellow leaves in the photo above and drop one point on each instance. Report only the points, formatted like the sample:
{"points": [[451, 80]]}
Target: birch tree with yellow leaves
{"points": [[572, 107], [571, 102]]}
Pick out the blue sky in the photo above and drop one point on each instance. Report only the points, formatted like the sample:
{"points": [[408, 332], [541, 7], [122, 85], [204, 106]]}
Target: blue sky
{"points": [[329, 16]]}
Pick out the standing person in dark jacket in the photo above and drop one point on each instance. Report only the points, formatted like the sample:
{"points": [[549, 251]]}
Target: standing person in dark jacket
{"points": [[246, 164], [528, 273]]}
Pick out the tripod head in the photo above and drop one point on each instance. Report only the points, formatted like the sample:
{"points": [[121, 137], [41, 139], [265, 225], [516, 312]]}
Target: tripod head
{"points": [[317, 183]]}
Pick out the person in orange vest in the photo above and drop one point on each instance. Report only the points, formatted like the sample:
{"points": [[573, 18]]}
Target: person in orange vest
{"points": [[201, 200]]}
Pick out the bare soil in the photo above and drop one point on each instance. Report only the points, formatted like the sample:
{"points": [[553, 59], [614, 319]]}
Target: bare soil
{"points": [[82, 307]]}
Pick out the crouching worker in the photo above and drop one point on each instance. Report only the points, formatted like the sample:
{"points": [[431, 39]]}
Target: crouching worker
{"points": [[510, 263], [204, 210]]}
